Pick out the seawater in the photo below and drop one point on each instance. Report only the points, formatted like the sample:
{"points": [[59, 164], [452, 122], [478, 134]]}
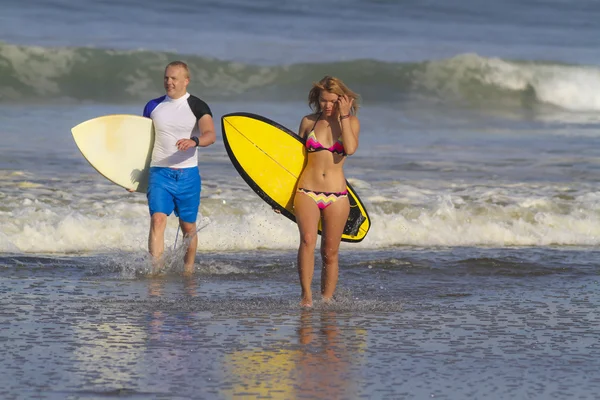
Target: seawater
{"points": [[477, 163]]}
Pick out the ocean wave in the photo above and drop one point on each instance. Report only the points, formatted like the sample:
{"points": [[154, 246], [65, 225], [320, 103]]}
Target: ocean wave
{"points": [[121, 224], [40, 74]]}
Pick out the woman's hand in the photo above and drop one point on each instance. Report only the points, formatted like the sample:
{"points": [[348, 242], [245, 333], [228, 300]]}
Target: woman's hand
{"points": [[344, 105]]}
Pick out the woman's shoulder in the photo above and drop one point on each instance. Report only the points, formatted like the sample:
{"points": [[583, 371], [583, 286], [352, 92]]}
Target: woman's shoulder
{"points": [[307, 122], [311, 117]]}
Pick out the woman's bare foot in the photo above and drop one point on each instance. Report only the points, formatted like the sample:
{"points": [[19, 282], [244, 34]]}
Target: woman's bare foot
{"points": [[327, 300], [306, 304], [306, 301]]}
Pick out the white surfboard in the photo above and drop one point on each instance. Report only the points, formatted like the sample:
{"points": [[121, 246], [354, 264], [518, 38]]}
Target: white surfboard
{"points": [[119, 147]]}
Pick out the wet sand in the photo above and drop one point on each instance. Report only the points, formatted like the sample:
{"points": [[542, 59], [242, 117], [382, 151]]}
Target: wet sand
{"points": [[72, 331]]}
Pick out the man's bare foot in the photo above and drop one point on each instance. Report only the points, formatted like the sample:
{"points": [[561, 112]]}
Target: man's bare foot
{"points": [[327, 300], [158, 265], [156, 270], [188, 271]]}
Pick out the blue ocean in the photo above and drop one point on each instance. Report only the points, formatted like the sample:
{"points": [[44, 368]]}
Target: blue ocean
{"points": [[479, 165]]}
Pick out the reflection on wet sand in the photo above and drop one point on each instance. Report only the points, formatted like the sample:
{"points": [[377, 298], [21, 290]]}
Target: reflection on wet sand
{"points": [[156, 286], [158, 325], [105, 352], [320, 365], [326, 362]]}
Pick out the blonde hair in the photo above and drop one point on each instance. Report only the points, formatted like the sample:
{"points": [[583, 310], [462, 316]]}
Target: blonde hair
{"points": [[333, 85], [180, 64]]}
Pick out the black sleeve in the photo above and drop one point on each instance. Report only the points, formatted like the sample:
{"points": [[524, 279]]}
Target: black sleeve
{"points": [[199, 107]]}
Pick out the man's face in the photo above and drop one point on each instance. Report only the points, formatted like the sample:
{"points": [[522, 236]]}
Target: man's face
{"points": [[176, 81]]}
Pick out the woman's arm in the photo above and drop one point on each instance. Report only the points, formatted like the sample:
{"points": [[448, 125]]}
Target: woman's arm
{"points": [[350, 131], [349, 124], [304, 127]]}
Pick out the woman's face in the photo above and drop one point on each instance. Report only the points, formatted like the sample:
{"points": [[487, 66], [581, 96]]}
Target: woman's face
{"points": [[328, 102]]}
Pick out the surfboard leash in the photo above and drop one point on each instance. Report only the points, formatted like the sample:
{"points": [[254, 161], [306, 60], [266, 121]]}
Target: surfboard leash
{"points": [[197, 230]]}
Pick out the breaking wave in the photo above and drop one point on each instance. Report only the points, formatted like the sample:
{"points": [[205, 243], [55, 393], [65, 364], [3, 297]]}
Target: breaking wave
{"points": [[43, 75]]}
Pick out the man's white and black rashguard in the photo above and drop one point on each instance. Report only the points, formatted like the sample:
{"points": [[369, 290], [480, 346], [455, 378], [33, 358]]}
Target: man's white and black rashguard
{"points": [[175, 119]]}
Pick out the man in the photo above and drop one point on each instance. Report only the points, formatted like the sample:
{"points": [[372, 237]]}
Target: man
{"points": [[182, 123]]}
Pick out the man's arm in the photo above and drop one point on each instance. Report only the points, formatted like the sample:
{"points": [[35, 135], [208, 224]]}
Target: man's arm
{"points": [[207, 135], [206, 127]]}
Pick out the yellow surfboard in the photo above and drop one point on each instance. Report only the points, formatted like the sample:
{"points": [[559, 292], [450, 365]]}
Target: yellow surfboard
{"points": [[119, 147], [270, 158]]}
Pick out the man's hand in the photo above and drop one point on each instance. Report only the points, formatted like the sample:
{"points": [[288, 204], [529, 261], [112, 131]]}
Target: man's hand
{"points": [[185, 144]]}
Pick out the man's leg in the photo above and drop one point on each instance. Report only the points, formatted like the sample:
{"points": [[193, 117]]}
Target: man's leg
{"points": [[156, 239], [189, 235]]}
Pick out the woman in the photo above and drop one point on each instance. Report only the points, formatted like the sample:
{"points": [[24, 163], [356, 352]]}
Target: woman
{"points": [[331, 134]]}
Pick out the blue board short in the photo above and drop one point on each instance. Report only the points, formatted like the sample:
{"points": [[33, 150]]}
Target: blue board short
{"points": [[178, 190]]}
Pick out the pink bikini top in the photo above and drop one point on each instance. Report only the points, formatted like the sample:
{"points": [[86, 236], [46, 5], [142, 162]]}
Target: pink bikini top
{"points": [[312, 145]]}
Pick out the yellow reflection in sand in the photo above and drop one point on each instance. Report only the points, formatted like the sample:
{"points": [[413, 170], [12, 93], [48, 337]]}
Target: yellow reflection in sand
{"points": [[320, 365]]}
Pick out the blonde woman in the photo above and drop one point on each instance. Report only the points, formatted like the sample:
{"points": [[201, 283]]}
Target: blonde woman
{"points": [[331, 134]]}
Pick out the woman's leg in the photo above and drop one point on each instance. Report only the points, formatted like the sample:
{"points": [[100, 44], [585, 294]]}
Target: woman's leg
{"points": [[307, 217], [334, 220]]}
